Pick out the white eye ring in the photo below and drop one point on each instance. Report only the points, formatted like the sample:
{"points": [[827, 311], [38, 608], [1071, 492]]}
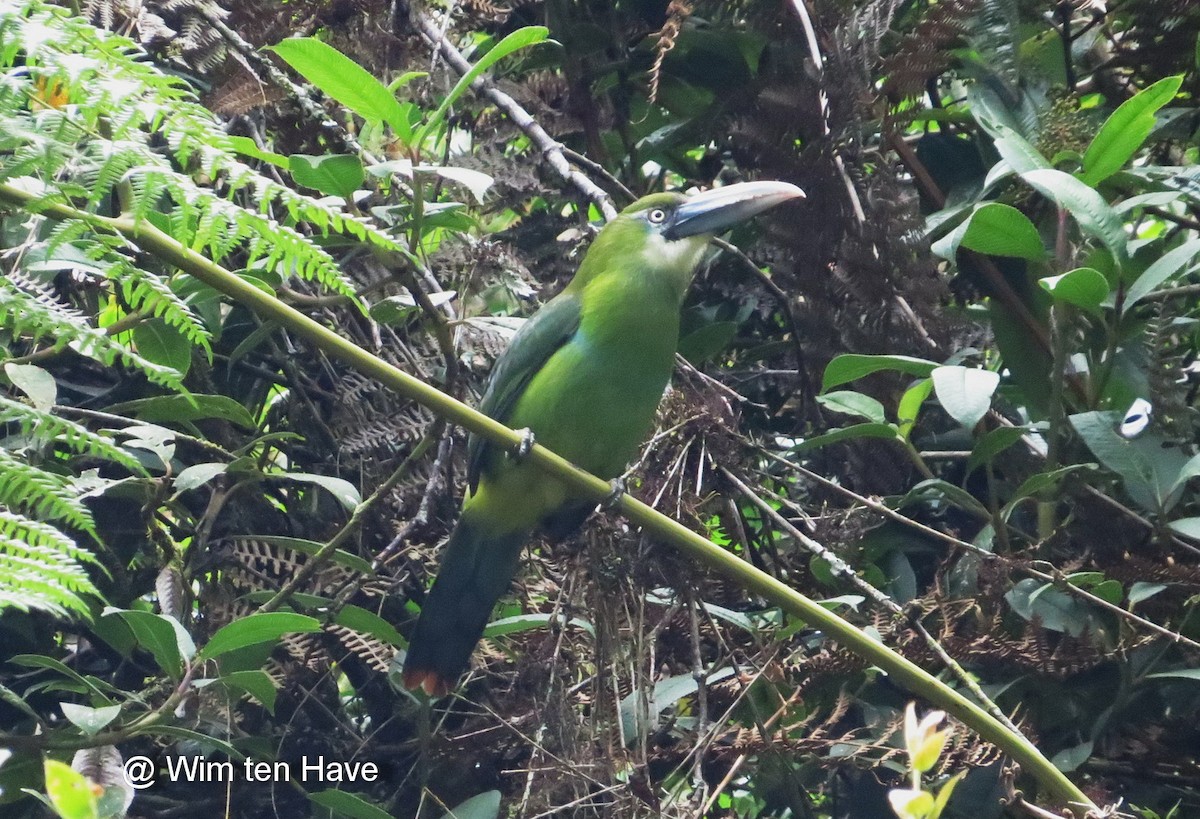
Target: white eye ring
{"points": [[657, 216]]}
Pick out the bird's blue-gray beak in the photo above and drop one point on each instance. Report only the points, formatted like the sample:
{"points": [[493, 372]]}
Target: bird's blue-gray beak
{"points": [[719, 209]]}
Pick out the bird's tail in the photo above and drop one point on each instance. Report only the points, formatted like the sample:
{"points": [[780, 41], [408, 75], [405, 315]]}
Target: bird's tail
{"points": [[476, 569]]}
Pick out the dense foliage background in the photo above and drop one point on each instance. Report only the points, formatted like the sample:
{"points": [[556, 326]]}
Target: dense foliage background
{"points": [[952, 394]]}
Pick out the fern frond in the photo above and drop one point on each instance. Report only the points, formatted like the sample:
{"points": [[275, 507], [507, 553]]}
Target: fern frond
{"points": [[42, 426], [49, 496], [41, 567], [29, 308]]}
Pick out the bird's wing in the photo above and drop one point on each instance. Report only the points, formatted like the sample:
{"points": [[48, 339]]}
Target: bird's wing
{"points": [[538, 339]]}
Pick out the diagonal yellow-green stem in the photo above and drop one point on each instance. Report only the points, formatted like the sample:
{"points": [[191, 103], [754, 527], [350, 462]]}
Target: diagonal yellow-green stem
{"points": [[909, 675]]}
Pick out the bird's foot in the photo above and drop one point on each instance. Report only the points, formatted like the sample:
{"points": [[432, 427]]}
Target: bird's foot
{"points": [[614, 497], [526, 446]]}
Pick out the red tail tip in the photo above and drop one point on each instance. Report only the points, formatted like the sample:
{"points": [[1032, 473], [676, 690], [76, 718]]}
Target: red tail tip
{"points": [[433, 684]]}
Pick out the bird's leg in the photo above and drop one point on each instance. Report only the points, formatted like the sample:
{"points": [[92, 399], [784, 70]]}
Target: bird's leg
{"points": [[526, 446], [614, 497]]}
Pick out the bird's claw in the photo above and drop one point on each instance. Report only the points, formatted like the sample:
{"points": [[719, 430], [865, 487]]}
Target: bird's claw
{"points": [[614, 497], [526, 446]]}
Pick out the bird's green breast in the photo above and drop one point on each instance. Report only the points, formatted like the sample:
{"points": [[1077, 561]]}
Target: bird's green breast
{"points": [[594, 401]]}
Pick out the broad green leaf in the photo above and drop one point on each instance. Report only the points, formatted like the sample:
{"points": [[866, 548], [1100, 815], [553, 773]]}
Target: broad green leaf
{"points": [[854, 403], [1094, 215], [852, 366], [992, 444], [1019, 154], [257, 683], [344, 803], [1084, 287], [90, 720], [257, 628], [248, 147], [341, 489], [88, 683], [707, 340], [70, 792], [368, 622], [345, 81], [1110, 591], [935, 488], [993, 114], [1141, 590], [335, 174], [910, 405], [965, 392], [311, 547], [162, 636], [1126, 129], [160, 343], [521, 38], [1055, 610], [996, 230], [1165, 267], [1071, 758], [197, 475], [1038, 483], [180, 408], [477, 182], [665, 695], [848, 434], [1188, 527], [481, 806], [35, 382], [526, 622], [1149, 471]]}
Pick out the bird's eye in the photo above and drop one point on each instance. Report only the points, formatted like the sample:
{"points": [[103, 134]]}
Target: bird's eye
{"points": [[657, 216]]}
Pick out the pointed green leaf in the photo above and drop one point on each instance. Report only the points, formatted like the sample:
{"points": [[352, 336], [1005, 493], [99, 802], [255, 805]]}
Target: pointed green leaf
{"points": [[345, 81], [341, 489], [343, 803], [35, 382], [335, 174], [1093, 214], [1084, 287], [482, 806], [965, 393], [1166, 266], [198, 475], [997, 230], [848, 402], [833, 436], [180, 408], [1126, 129], [852, 366], [521, 38], [257, 628], [90, 720], [910, 405]]}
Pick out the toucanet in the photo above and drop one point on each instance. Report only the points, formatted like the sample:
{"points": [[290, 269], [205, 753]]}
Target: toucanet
{"points": [[584, 375]]}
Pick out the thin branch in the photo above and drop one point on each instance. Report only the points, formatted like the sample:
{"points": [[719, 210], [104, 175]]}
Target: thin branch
{"points": [[551, 150], [840, 569], [1057, 578]]}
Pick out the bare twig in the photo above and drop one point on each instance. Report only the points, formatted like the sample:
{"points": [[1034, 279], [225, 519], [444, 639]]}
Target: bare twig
{"points": [[551, 149], [1055, 578], [842, 570]]}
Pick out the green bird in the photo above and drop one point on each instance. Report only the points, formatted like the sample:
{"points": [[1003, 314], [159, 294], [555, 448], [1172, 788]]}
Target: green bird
{"points": [[584, 375]]}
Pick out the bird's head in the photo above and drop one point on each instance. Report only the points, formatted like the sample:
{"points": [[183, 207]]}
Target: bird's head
{"points": [[666, 233]]}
